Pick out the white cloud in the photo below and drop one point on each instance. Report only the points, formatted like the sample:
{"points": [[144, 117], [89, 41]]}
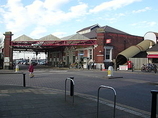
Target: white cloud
{"points": [[151, 24], [144, 24], [1, 35], [59, 34], [114, 17], [51, 18], [77, 11], [113, 4], [141, 10], [54, 4], [43, 14], [15, 17], [38, 32]]}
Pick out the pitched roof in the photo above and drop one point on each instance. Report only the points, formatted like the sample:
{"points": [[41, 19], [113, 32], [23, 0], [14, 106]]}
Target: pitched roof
{"points": [[154, 48], [113, 30], [23, 38], [89, 27], [75, 37], [67, 37], [49, 38], [93, 33]]}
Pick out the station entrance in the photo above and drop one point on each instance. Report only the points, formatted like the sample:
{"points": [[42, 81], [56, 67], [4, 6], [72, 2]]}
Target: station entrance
{"points": [[59, 52]]}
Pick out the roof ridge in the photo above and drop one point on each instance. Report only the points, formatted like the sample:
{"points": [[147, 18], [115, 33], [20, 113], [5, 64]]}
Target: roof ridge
{"points": [[75, 36], [49, 37], [23, 38], [89, 27], [114, 30]]}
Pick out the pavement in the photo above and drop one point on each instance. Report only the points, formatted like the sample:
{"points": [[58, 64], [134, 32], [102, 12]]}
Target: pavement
{"points": [[38, 102]]}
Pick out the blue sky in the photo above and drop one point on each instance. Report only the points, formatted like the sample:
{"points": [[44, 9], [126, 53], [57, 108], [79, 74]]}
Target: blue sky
{"points": [[38, 18]]}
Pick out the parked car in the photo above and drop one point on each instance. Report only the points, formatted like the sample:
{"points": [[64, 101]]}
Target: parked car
{"points": [[34, 62]]}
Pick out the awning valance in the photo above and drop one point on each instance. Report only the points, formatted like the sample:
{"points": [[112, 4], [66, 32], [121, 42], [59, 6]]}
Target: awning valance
{"points": [[152, 56]]}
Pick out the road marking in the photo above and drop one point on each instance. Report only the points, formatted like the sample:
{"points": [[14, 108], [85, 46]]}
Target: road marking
{"points": [[128, 109], [136, 81], [52, 71]]}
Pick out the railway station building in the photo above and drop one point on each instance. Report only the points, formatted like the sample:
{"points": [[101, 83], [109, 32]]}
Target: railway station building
{"points": [[101, 44]]}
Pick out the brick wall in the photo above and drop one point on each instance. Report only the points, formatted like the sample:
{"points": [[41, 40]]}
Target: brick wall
{"points": [[99, 50], [121, 42], [8, 51]]}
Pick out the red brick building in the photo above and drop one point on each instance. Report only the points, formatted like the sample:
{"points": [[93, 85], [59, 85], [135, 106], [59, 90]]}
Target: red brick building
{"points": [[110, 42], [100, 44]]}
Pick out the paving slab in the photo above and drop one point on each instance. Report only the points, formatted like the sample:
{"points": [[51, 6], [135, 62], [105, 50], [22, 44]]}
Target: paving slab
{"points": [[29, 102]]}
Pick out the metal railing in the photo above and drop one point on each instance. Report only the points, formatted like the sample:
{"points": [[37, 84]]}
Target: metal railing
{"points": [[108, 87], [72, 84], [24, 81]]}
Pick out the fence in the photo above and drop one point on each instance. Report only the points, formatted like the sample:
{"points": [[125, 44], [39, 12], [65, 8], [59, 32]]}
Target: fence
{"points": [[138, 62]]}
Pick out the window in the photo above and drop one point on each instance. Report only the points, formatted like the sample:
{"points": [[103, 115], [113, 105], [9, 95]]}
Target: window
{"points": [[108, 53], [81, 54], [90, 53]]}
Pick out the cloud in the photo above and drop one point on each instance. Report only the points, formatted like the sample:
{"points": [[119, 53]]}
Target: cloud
{"points": [[144, 24], [141, 10], [42, 14], [15, 17], [113, 4], [54, 4], [56, 17], [59, 34], [113, 18], [1, 37], [77, 11], [38, 32]]}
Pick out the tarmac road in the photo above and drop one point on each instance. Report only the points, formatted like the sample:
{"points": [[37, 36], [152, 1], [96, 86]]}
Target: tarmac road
{"points": [[133, 89]]}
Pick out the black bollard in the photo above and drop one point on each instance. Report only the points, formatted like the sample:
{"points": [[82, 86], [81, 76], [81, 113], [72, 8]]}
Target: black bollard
{"points": [[132, 67], [101, 67], [24, 84], [71, 87], [154, 103]]}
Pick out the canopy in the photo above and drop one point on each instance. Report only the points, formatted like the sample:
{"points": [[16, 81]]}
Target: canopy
{"points": [[152, 56]]}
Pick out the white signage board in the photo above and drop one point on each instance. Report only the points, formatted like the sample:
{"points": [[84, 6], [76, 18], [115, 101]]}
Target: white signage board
{"points": [[123, 67]]}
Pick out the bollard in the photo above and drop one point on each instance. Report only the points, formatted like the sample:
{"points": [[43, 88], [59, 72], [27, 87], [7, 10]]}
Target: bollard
{"points": [[71, 87], [110, 71], [24, 82], [72, 84], [132, 67], [17, 68], [154, 103], [101, 67]]}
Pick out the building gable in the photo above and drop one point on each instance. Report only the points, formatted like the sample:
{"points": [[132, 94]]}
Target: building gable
{"points": [[75, 37], [23, 38], [49, 38], [88, 29]]}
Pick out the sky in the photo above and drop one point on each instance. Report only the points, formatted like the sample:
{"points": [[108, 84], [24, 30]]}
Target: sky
{"points": [[39, 18]]}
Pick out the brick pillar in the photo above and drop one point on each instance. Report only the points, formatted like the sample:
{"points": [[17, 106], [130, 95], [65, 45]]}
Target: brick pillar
{"points": [[8, 51], [99, 50]]}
